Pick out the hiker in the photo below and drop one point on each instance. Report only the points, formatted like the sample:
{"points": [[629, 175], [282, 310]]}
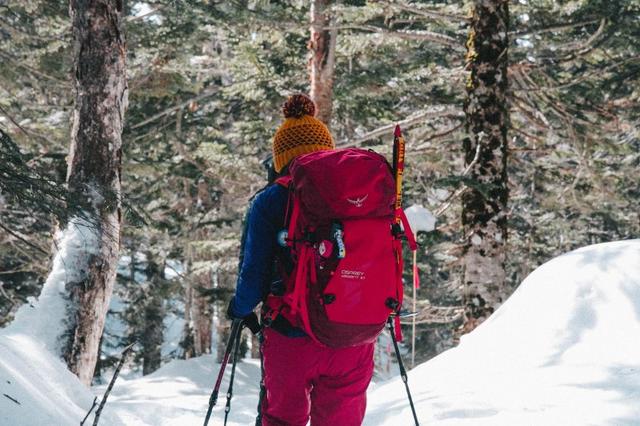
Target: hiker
{"points": [[302, 378]]}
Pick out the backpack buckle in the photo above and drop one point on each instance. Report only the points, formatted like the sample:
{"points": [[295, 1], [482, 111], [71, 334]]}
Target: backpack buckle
{"points": [[392, 303], [328, 298], [396, 230], [277, 288], [309, 237]]}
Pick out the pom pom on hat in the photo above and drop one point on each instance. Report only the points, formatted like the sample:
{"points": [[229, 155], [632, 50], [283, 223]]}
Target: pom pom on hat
{"points": [[298, 106], [301, 133]]}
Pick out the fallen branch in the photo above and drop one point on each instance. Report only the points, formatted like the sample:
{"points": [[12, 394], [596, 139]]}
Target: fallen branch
{"points": [[125, 352], [95, 402], [13, 399]]}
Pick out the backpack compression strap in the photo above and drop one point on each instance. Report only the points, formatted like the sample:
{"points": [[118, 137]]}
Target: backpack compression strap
{"points": [[302, 250], [408, 232]]}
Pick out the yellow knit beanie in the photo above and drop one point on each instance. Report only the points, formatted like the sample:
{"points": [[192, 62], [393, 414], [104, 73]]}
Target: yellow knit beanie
{"points": [[301, 132]]}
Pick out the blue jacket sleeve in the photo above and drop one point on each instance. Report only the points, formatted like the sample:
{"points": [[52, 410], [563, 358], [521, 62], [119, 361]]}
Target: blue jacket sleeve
{"points": [[264, 221]]}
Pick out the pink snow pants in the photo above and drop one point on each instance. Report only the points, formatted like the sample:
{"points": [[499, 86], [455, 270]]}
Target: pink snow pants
{"points": [[304, 379]]}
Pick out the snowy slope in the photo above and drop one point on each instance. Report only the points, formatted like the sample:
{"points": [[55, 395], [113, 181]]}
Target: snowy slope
{"points": [[178, 394], [35, 386], [563, 350], [36, 389]]}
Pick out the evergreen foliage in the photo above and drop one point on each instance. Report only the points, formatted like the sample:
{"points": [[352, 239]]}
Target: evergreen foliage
{"points": [[206, 81]]}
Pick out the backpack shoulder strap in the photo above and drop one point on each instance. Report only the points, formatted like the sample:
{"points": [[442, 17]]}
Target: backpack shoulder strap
{"points": [[284, 181], [293, 208]]}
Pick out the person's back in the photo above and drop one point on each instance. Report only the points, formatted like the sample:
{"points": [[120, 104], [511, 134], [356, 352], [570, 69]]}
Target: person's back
{"points": [[302, 378]]}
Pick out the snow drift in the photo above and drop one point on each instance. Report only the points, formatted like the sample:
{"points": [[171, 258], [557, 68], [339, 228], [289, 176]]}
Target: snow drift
{"points": [[37, 389], [563, 350], [35, 386]]}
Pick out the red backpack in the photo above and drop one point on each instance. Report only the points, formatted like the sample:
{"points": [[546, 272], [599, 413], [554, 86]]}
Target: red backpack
{"points": [[345, 245]]}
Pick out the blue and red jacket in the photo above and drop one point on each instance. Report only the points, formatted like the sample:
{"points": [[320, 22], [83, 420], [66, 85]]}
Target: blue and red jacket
{"points": [[259, 248]]}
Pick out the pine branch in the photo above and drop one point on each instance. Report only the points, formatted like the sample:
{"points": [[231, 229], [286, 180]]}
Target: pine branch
{"points": [[552, 28], [386, 130], [7, 56], [425, 144], [580, 46], [25, 185], [429, 13], [12, 302], [441, 39], [175, 108], [146, 15], [24, 240], [447, 202]]}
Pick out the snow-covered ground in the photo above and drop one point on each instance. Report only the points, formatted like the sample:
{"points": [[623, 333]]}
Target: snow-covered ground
{"points": [[563, 350]]}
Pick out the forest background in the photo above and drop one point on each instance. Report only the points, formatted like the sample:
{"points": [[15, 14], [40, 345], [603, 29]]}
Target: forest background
{"points": [[205, 83]]}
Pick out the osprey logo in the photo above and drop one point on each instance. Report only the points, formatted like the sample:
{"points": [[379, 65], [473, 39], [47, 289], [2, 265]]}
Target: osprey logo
{"points": [[358, 201]]}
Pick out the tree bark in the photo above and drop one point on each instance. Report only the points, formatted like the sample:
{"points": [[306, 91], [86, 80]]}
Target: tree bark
{"points": [[484, 214], [255, 347], [322, 49], [202, 280], [223, 330], [154, 312], [94, 167], [202, 313], [188, 340]]}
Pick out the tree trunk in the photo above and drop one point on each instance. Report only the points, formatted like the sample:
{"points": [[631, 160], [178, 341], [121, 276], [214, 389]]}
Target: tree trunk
{"points": [[94, 165], [187, 343], [202, 280], [255, 347], [322, 49], [153, 332], [202, 313], [484, 214], [223, 331]]}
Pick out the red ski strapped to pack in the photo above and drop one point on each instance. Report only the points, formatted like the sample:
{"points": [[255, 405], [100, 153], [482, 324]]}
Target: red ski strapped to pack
{"points": [[347, 277]]}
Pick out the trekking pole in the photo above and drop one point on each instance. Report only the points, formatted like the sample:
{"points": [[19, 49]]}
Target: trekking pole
{"points": [[236, 327], [416, 279], [403, 372], [227, 407]]}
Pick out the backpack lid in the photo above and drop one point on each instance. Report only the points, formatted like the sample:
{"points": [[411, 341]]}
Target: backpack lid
{"points": [[343, 184]]}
